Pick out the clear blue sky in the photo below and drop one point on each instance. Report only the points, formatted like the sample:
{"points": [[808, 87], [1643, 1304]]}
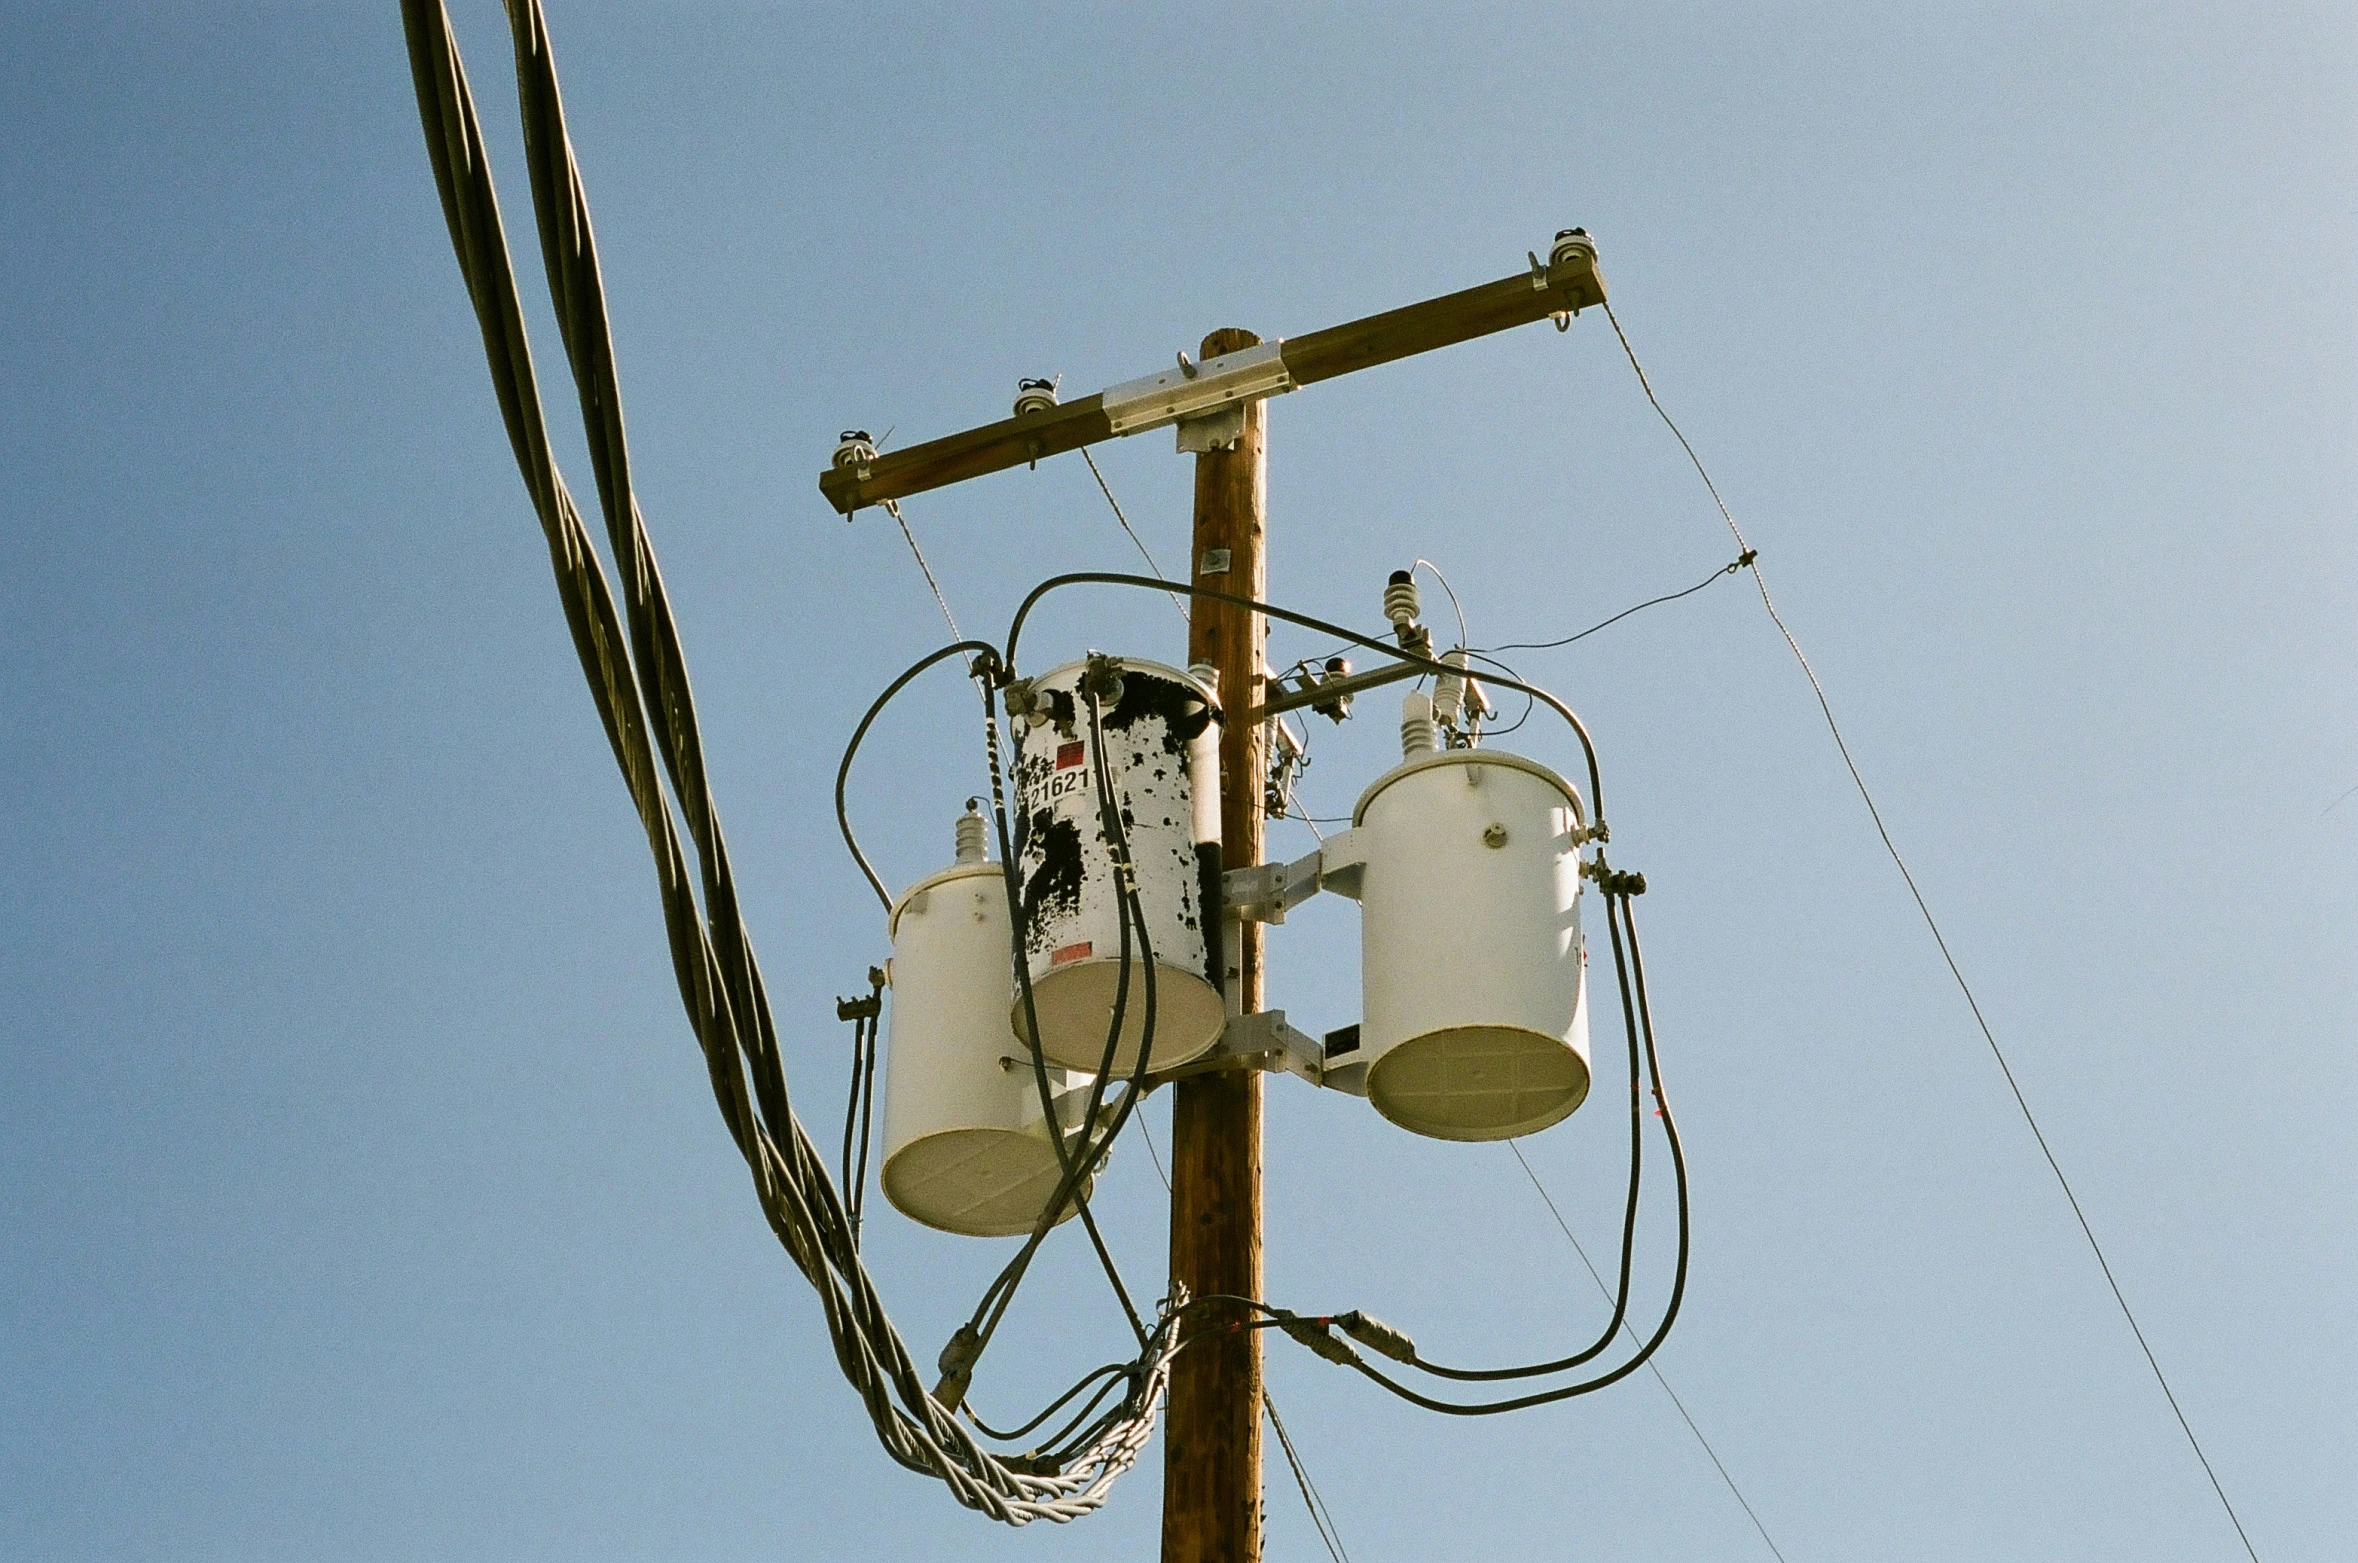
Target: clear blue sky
{"points": [[361, 1193]]}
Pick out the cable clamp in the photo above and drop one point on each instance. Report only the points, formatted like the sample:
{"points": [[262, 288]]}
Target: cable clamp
{"points": [[1612, 881], [868, 1008]]}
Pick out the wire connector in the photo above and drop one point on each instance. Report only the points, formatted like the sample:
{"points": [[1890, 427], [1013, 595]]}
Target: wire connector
{"points": [[1315, 1334], [868, 1008], [1377, 1336], [1611, 880], [957, 1364]]}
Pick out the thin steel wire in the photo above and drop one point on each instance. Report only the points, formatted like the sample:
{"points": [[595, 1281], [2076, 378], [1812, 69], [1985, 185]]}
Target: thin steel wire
{"points": [[1321, 1517], [1684, 1415], [2021, 1102], [1729, 568], [1177, 603]]}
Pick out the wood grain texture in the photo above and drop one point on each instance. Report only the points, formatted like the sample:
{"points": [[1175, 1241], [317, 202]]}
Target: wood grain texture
{"points": [[1212, 1435], [1322, 355]]}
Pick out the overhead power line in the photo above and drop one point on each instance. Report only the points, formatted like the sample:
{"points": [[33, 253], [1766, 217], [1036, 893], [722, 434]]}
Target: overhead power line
{"points": [[2022, 1103], [631, 657]]}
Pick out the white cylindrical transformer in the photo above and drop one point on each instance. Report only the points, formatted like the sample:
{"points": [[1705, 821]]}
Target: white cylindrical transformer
{"points": [[1475, 1018], [1162, 750], [966, 1145]]}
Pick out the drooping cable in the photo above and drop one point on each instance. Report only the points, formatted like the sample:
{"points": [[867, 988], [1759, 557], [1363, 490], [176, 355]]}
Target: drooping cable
{"points": [[637, 678], [2014, 1086], [1619, 919], [975, 1334], [1619, 1295], [988, 656], [1654, 1368], [1615, 889]]}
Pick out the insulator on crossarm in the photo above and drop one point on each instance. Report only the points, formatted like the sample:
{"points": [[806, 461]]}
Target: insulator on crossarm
{"points": [[1400, 600]]}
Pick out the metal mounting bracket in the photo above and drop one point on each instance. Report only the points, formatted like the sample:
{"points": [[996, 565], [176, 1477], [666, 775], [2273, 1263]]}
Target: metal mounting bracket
{"points": [[1263, 1041], [1151, 401], [1266, 893]]}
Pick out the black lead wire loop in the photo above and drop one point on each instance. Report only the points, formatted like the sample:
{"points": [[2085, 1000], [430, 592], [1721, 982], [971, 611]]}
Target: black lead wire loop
{"points": [[982, 648], [1596, 783], [1618, 914]]}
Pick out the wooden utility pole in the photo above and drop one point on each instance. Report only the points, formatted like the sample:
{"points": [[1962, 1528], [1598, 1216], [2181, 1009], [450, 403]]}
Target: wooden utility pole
{"points": [[1212, 1448], [1212, 1445]]}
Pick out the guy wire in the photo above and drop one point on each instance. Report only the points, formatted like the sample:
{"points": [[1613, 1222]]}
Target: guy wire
{"points": [[1987, 1035], [1654, 1367]]}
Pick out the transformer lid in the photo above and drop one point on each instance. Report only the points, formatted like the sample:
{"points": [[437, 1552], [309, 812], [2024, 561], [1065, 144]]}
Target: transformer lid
{"points": [[1434, 761], [950, 875]]}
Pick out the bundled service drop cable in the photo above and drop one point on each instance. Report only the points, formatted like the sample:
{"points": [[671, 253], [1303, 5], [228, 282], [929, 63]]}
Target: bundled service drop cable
{"points": [[638, 680]]}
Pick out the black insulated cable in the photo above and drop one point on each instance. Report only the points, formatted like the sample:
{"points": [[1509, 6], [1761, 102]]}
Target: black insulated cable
{"points": [[1678, 1285]]}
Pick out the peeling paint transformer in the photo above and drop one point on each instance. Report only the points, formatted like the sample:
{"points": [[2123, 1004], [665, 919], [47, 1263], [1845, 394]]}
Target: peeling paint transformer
{"points": [[1162, 757]]}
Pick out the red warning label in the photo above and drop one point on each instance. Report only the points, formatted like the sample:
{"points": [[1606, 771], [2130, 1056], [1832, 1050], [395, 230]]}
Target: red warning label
{"points": [[1072, 952], [1070, 755]]}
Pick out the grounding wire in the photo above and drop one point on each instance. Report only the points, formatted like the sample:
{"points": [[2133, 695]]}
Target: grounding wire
{"points": [[1529, 705], [1107, 490], [1464, 637], [1654, 1368], [637, 679], [2021, 1102]]}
